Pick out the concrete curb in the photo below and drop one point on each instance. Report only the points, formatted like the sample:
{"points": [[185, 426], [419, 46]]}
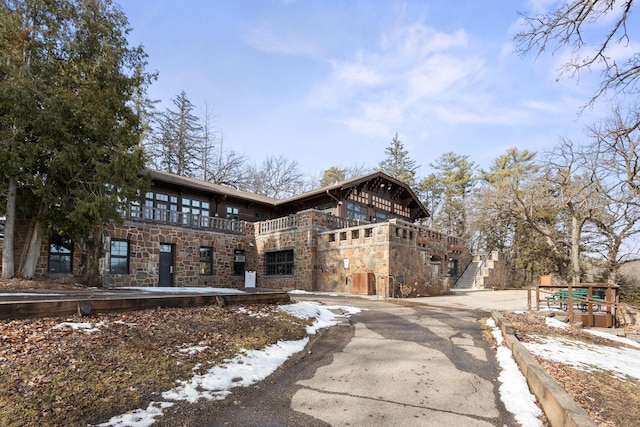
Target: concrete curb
{"points": [[558, 406]]}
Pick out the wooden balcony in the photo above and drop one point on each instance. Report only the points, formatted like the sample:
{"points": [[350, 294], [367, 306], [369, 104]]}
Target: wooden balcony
{"points": [[181, 219]]}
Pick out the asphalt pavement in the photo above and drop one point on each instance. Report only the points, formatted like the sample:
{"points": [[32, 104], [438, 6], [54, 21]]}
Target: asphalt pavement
{"points": [[409, 363]]}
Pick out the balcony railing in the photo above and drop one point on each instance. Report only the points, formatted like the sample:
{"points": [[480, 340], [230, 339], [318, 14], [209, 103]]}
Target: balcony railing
{"points": [[336, 222], [164, 216], [284, 223]]}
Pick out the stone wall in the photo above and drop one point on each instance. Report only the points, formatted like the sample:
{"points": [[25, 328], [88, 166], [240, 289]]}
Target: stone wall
{"points": [[401, 258], [303, 239], [347, 252], [144, 246]]}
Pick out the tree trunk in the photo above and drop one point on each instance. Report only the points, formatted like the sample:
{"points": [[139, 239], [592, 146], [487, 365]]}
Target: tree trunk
{"points": [[8, 259], [93, 252], [575, 250], [33, 243], [32, 251]]}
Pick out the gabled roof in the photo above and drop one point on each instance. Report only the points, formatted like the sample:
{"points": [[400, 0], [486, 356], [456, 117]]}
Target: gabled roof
{"points": [[339, 191], [206, 186], [372, 181]]}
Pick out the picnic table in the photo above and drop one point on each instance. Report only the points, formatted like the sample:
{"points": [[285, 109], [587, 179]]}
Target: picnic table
{"points": [[580, 297], [597, 302]]}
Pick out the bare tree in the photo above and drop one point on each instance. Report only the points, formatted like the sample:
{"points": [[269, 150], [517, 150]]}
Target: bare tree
{"points": [[228, 167], [572, 25], [278, 177], [574, 181], [616, 146], [209, 140]]}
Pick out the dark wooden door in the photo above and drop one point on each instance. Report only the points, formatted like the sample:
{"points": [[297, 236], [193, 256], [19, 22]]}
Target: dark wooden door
{"points": [[165, 270]]}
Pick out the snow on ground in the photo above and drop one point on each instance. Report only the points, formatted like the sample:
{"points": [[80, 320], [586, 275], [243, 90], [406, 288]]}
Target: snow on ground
{"points": [[620, 362], [514, 390], [185, 290], [241, 371], [255, 365], [84, 326]]}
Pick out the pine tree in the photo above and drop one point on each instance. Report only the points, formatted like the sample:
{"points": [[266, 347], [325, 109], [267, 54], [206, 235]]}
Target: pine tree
{"points": [[180, 142], [70, 139], [398, 164], [450, 183]]}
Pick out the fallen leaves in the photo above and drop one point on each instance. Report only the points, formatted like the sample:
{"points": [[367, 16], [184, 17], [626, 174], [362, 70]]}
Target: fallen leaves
{"points": [[609, 401], [79, 371]]}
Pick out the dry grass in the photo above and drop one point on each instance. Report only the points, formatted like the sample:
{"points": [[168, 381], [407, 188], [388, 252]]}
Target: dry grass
{"points": [[63, 377], [607, 400], [54, 375]]}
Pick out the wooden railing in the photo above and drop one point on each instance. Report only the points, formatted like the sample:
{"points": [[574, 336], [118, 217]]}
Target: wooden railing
{"points": [[164, 216]]}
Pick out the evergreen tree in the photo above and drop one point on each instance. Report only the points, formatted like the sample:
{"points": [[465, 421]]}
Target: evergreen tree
{"points": [[180, 143], [70, 138], [332, 176], [398, 164], [450, 184]]}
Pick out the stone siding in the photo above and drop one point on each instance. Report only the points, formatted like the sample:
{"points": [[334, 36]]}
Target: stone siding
{"points": [[400, 258], [144, 247]]}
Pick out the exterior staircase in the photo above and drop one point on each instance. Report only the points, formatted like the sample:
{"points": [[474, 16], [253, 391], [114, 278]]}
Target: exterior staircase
{"points": [[467, 280], [479, 271]]}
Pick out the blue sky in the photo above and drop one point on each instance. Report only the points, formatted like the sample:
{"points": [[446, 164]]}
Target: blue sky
{"points": [[328, 83]]}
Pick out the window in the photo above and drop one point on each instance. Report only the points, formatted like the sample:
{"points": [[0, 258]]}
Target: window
{"points": [[206, 261], [238, 263], [324, 207], [60, 255], [279, 263], [261, 216], [233, 213], [161, 207], [119, 259], [381, 216], [194, 212], [357, 211]]}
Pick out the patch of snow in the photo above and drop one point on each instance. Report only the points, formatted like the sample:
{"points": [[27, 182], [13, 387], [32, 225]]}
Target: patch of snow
{"points": [[193, 349], [241, 371], [555, 323], [619, 362], [324, 315], [613, 337], [139, 417], [514, 390], [185, 290], [85, 327]]}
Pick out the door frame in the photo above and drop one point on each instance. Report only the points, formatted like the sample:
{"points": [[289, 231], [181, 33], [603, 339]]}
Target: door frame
{"points": [[166, 264]]}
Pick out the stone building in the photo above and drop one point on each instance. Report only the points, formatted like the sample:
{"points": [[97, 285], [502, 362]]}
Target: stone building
{"points": [[361, 235]]}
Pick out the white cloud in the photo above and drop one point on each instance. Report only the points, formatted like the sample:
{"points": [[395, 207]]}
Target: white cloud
{"points": [[377, 89]]}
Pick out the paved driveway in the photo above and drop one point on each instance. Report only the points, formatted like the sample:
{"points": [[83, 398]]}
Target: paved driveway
{"points": [[407, 364], [396, 363]]}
